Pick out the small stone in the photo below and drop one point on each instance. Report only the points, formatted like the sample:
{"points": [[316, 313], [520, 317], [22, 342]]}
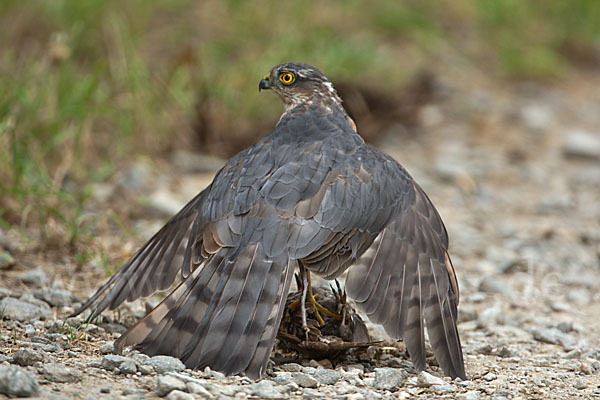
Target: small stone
{"points": [[128, 367], [17, 381], [60, 374], [470, 395], [164, 202], [327, 376], [217, 375], [573, 354], [29, 330], [447, 388], [107, 348], [26, 357], [389, 378], [133, 391], [139, 358], [265, 390], [111, 362], [304, 380], [536, 116], [313, 394], [580, 384], [145, 369], [105, 389], [54, 297], [50, 348], [490, 316], [565, 326], [425, 379], [5, 292], [291, 367], [198, 390], [162, 364], [582, 144], [325, 363], [34, 277], [179, 395], [489, 377], [23, 311], [114, 328], [554, 336], [166, 384], [282, 377]]}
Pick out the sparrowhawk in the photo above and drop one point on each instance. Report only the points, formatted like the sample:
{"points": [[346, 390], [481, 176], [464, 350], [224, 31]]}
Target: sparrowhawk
{"points": [[312, 195]]}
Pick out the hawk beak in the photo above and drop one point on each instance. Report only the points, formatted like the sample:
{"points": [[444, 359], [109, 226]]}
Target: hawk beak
{"points": [[264, 83]]}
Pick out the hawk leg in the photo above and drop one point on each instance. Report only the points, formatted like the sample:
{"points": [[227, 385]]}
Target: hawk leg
{"points": [[307, 294]]}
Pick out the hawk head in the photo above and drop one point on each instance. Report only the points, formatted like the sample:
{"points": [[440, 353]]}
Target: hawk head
{"points": [[298, 83]]}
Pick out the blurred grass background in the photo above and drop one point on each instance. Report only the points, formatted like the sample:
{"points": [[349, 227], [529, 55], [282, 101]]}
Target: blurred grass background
{"points": [[86, 85]]}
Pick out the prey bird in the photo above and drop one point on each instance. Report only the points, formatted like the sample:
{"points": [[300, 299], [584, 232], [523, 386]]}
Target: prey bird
{"points": [[311, 194]]}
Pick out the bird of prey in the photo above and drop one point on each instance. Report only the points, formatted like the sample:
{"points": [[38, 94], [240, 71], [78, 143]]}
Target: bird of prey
{"points": [[311, 194]]}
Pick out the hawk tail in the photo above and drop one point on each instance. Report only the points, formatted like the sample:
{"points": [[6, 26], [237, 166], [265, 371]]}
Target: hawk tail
{"points": [[225, 315]]}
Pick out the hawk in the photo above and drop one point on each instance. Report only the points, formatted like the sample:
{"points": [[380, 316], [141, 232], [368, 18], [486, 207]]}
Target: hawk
{"points": [[311, 195]]}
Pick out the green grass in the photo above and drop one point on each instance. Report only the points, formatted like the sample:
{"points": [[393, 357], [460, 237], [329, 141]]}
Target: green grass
{"points": [[88, 84]]}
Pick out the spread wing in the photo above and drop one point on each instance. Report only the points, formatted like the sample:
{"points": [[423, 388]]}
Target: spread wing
{"points": [[405, 277]]}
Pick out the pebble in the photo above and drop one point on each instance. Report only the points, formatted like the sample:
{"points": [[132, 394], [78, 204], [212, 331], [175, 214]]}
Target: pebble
{"points": [[139, 393], [579, 143], [179, 395], [26, 357], [128, 367], [111, 362], [23, 311], [29, 330], [490, 316], [59, 373], [166, 383], [389, 378], [199, 390], [580, 384], [291, 367], [164, 202], [490, 376], [470, 395], [536, 116], [5, 292], [17, 381], [327, 376], [265, 390], [34, 277], [554, 336], [313, 394], [163, 364], [54, 297], [107, 348], [304, 380], [425, 379]]}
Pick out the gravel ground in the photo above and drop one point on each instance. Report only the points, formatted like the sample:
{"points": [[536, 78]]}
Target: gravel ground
{"points": [[515, 173]]}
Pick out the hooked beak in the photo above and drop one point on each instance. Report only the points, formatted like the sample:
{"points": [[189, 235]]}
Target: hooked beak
{"points": [[264, 83]]}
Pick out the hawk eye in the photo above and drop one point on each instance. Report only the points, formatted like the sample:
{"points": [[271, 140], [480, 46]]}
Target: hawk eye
{"points": [[287, 78]]}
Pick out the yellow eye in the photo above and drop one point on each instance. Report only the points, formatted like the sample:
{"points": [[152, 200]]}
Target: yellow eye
{"points": [[287, 78]]}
